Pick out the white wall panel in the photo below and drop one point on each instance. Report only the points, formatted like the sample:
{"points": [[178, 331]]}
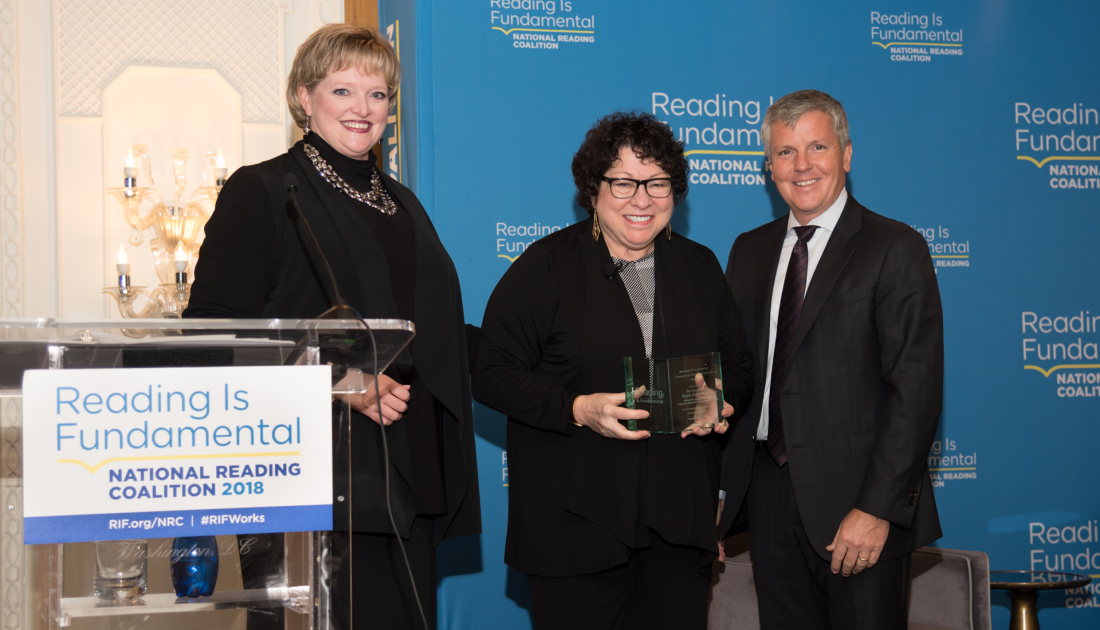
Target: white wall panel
{"points": [[80, 202], [38, 268], [263, 142], [194, 74]]}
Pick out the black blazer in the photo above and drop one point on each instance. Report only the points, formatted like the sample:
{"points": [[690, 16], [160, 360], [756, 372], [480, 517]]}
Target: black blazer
{"points": [[557, 327], [863, 394], [257, 262]]}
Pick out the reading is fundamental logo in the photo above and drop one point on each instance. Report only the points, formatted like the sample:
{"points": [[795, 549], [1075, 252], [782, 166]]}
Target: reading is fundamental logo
{"points": [[1062, 141], [912, 37], [1064, 345], [542, 24], [947, 252], [947, 462], [512, 240], [1068, 545], [720, 133]]}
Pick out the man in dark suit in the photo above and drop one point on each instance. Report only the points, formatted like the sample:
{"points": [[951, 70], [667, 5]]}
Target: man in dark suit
{"points": [[828, 466]]}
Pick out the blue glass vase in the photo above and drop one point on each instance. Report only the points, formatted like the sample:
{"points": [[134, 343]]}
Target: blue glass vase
{"points": [[194, 566]]}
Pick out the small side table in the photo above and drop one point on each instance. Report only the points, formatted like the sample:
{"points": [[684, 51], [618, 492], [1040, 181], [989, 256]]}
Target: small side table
{"points": [[1023, 589]]}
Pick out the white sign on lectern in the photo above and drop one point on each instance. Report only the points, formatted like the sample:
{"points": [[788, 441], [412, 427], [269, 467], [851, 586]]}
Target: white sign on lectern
{"points": [[168, 452]]}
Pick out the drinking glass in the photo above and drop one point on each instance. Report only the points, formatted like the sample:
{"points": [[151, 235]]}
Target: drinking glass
{"points": [[121, 569]]}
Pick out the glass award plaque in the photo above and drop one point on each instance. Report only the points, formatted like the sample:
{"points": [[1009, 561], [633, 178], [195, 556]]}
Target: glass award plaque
{"points": [[678, 393]]}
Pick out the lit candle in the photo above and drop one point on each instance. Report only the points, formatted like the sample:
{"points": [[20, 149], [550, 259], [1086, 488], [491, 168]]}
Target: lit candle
{"points": [[129, 170], [220, 171], [123, 267], [123, 264], [181, 264]]}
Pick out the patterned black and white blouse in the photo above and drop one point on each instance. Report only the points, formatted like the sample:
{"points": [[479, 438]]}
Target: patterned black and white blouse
{"points": [[640, 280]]}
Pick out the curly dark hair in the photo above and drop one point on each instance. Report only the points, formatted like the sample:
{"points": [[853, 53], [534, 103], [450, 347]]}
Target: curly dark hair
{"points": [[647, 136]]}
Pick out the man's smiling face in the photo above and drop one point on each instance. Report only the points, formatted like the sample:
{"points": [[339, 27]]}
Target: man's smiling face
{"points": [[808, 164]]}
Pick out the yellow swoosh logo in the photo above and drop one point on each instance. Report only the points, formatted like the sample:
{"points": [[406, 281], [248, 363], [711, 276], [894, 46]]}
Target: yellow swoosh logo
{"points": [[1071, 158], [1047, 373], [950, 469], [885, 46], [538, 30], [510, 259], [90, 468], [716, 152]]}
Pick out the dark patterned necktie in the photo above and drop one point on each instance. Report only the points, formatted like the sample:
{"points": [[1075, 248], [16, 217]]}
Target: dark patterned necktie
{"points": [[790, 307]]}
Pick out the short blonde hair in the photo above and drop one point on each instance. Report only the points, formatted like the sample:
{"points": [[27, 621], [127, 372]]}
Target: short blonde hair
{"points": [[336, 47]]}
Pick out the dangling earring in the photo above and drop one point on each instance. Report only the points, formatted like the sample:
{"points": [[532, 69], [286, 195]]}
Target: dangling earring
{"points": [[595, 226], [668, 231], [305, 130]]}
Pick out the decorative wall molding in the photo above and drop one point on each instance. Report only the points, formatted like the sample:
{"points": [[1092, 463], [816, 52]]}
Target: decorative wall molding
{"points": [[11, 224], [327, 12], [248, 43], [13, 608], [241, 39]]}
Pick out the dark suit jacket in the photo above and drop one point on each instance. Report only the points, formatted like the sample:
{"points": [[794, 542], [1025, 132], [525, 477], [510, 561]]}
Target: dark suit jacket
{"points": [[256, 262], [557, 327], [862, 397]]}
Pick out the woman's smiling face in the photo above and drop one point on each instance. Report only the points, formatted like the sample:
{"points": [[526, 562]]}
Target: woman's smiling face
{"points": [[348, 109], [630, 225]]}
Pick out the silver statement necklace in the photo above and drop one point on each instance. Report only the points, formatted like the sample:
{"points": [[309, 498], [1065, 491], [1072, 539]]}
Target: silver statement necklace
{"points": [[377, 198]]}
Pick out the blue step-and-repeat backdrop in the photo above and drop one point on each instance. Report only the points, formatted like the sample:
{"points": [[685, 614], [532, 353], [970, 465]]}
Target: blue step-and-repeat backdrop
{"points": [[977, 123]]}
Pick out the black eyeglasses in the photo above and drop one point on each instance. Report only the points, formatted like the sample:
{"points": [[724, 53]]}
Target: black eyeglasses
{"points": [[625, 188]]}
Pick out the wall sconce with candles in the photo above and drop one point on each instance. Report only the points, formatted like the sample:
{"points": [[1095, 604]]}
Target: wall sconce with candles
{"points": [[176, 227]]}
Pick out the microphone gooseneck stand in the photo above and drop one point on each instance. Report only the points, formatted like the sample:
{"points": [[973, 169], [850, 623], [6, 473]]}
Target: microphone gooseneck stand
{"points": [[341, 310]]}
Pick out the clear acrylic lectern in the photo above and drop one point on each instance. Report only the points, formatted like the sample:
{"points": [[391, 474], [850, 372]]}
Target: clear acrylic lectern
{"points": [[292, 575]]}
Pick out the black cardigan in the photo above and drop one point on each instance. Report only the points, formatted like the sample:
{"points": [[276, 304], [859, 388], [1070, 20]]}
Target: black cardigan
{"points": [[256, 262], [557, 327]]}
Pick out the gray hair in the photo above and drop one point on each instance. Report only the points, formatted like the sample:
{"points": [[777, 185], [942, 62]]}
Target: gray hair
{"points": [[790, 108]]}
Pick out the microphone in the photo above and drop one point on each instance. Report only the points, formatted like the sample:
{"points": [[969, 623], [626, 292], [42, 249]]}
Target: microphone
{"points": [[610, 269], [340, 308]]}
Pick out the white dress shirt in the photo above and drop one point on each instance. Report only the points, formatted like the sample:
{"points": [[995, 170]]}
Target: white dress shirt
{"points": [[826, 223]]}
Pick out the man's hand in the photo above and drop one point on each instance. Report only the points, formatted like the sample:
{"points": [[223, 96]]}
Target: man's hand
{"points": [[858, 542], [394, 398]]}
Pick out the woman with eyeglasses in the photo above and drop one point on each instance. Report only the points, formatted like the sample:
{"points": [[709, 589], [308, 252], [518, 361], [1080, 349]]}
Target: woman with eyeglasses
{"points": [[614, 528]]}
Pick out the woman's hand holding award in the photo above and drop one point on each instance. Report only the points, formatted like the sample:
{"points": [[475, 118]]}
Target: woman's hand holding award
{"points": [[681, 395]]}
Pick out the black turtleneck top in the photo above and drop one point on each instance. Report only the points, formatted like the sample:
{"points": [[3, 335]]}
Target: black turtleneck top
{"points": [[395, 234]]}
